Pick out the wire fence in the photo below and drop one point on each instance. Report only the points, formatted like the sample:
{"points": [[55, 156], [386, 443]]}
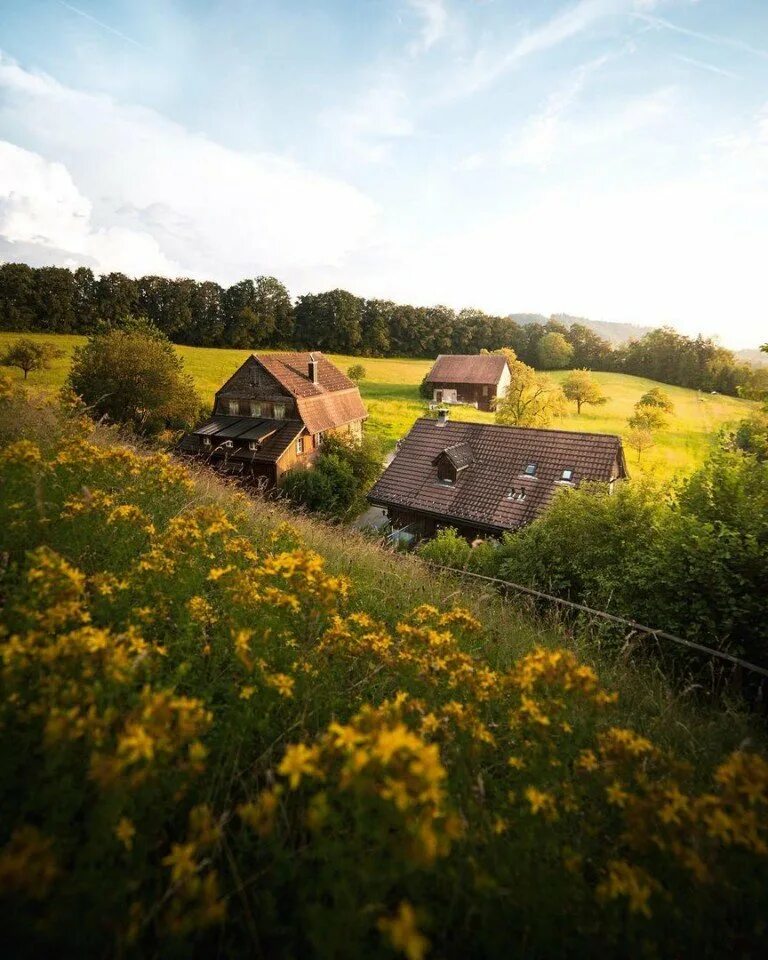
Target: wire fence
{"points": [[604, 615]]}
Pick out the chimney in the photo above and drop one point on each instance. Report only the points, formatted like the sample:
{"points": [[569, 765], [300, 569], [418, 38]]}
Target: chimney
{"points": [[313, 365], [442, 417]]}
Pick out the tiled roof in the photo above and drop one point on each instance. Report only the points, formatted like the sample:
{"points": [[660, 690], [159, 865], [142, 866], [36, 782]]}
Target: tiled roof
{"points": [[460, 455], [291, 370], [331, 402], [467, 368], [493, 491], [276, 436]]}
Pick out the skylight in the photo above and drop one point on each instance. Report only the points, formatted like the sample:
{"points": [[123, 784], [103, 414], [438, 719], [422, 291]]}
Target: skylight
{"points": [[567, 474], [530, 470]]}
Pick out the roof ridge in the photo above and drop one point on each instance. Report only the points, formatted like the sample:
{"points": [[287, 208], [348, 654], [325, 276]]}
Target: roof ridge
{"points": [[510, 426]]}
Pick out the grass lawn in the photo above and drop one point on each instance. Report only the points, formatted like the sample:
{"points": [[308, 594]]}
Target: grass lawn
{"points": [[391, 393]]}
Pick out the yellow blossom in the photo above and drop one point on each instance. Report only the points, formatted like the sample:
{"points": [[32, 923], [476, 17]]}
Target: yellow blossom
{"points": [[403, 933]]}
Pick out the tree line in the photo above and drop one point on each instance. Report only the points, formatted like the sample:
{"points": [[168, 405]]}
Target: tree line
{"points": [[260, 313]]}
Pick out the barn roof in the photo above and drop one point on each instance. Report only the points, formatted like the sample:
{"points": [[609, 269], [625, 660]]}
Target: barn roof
{"points": [[467, 368], [492, 489]]}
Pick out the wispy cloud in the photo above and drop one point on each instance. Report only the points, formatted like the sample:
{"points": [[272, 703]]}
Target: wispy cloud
{"points": [[378, 117], [703, 65], [489, 64], [661, 24], [100, 23], [434, 22]]}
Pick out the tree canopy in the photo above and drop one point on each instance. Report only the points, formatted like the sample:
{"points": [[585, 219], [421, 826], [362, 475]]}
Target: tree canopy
{"points": [[579, 387], [531, 400], [132, 375], [555, 353], [28, 355]]}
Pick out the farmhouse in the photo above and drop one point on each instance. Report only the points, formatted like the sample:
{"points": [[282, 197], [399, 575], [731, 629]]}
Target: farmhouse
{"points": [[485, 479], [273, 413], [469, 378]]}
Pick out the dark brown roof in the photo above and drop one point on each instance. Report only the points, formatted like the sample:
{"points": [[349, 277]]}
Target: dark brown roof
{"points": [[487, 493], [276, 437], [467, 368]]}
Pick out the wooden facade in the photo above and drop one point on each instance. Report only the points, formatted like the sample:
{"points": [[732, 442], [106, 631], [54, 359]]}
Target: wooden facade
{"points": [[474, 379], [272, 415]]}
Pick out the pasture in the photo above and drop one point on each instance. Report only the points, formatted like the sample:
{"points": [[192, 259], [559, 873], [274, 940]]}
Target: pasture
{"points": [[391, 393]]}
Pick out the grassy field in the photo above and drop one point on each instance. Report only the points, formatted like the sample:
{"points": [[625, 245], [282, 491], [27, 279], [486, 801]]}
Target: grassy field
{"points": [[391, 387]]}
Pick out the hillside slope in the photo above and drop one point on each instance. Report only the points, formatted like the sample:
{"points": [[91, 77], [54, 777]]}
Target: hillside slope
{"points": [[225, 732], [391, 393]]}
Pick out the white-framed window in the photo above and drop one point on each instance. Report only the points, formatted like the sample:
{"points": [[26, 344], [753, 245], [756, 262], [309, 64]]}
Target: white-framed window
{"points": [[567, 475], [253, 444], [300, 446], [228, 444], [278, 411], [206, 441], [318, 439], [234, 407], [255, 408], [530, 469]]}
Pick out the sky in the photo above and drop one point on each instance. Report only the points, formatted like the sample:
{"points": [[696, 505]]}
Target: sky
{"points": [[603, 158]]}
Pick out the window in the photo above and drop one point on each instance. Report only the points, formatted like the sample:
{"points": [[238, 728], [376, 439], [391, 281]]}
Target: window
{"points": [[255, 408], [300, 446], [206, 441], [253, 444], [234, 407], [278, 411], [530, 469], [567, 474], [228, 444], [485, 389], [318, 439]]}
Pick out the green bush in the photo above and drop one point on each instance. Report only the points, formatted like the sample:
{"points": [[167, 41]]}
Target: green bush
{"points": [[132, 375], [336, 484], [356, 372]]}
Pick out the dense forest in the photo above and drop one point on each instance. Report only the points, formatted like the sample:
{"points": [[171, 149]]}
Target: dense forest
{"points": [[261, 313]]}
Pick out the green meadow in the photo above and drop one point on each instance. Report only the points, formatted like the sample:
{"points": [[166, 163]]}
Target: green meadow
{"points": [[391, 393]]}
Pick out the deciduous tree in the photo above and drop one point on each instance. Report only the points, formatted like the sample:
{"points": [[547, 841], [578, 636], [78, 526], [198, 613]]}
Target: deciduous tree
{"points": [[28, 355], [554, 351], [581, 388], [133, 375], [531, 400]]}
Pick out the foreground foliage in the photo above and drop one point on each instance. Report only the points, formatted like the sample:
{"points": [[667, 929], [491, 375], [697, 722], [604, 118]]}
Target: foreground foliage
{"points": [[205, 746]]}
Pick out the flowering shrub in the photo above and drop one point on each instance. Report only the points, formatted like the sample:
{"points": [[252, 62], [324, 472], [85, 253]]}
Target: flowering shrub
{"points": [[206, 745]]}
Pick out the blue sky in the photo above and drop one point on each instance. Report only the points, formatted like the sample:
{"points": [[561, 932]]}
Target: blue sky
{"points": [[607, 158]]}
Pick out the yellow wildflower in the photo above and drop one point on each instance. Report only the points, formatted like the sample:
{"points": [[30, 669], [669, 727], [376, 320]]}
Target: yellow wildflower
{"points": [[299, 760], [403, 933], [125, 832]]}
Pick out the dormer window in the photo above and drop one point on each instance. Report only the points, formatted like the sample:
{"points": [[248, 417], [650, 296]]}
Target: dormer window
{"points": [[278, 411], [234, 407], [567, 475], [446, 472], [530, 469], [255, 408], [253, 445]]}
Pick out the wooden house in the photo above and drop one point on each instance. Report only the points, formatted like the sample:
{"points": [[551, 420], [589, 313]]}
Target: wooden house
{"points": [[476, 379], [485, 479], [273, 413]]}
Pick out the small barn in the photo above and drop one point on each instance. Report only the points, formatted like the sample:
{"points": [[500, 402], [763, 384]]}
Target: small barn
{"points": [[484, 479], [273, 414], [476, 379]]}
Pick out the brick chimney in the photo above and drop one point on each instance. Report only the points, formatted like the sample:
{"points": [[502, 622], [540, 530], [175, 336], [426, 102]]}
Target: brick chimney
{"points": [[313, 368]]}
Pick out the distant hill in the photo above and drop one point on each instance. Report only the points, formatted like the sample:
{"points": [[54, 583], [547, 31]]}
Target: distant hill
{"points": [[615, 333], [756, 357]]}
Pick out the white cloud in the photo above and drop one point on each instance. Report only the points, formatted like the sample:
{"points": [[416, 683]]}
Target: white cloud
{"points": [[185, 202], [434, 22], [40, 206]]}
